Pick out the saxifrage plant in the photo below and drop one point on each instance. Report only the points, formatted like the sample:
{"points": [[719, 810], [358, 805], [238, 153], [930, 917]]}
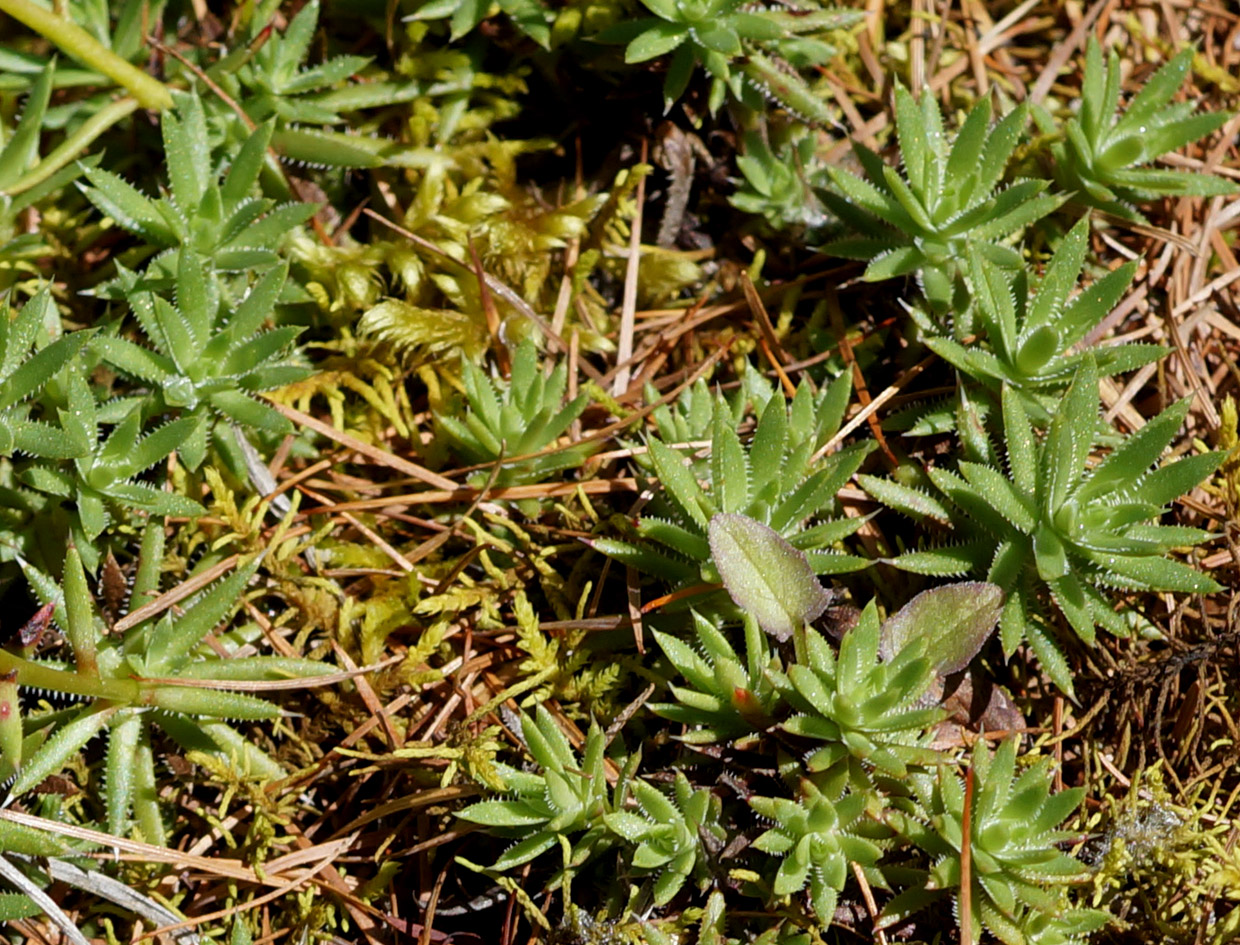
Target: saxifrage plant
{"points": [[674, 835], [868, 710], [569, 796], [100, 484], [297, 104], [947, 202], [529, 16], [1017, 869], [272, 80], [221, 224], [779, 177], [29, 359], [509, 420], [1031, 328], [727, 697], [816, 838], [1103, 155], [157, 673], [209, 358], [776, 480], [1054, 526], [741, 48]]}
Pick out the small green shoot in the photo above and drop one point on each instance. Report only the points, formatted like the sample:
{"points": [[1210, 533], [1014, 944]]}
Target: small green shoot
{"points": [[1103, 155]]}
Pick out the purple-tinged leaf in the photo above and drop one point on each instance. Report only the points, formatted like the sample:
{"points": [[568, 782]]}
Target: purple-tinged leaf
{"points": [[954, 620], [765, 575]]}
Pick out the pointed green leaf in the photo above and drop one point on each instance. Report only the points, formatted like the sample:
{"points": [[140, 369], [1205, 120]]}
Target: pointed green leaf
{"points": [[659, 39], [913, 502], [36, 371], [893, 263], [291, 52], [22, 149], [271, 230], [911, 133], [1070, 437], [1132, 459], [68, 740], [729, 470], [138, 495], [547, 742], [1159, 574], [246, 165], [173, 640], [1069, 597], [133, 359], [1020, 443], [869, 198], [999, 493], [693, 545], [155, 447], [1093, 91], [526, 850], [1093, 304], [213, 703], [119, 778], [250, 412], [679, 485], [1049, 654], [187, 154], [948, 561], [127, 206], [1168, 483], [1061, 275], [1155, 93], [966, 151]]}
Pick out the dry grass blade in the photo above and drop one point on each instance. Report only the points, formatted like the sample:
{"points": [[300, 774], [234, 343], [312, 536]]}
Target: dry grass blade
{"points": [[97, 884], [175, 595], [380, 456], [628, 305], [27, 887]]}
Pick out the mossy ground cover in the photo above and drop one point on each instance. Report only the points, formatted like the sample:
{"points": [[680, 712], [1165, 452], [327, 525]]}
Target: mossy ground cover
{"points": [[679, 471]]}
